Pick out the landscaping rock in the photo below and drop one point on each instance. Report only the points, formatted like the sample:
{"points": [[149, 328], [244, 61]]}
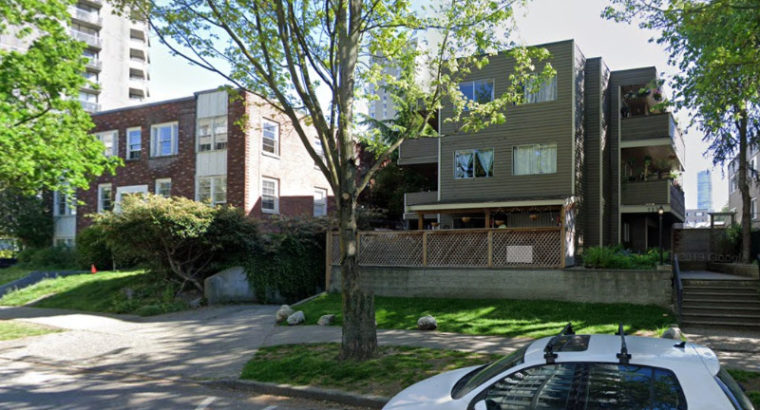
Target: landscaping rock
{"points": [[283, 313], [673, 332], [296, 318], [326, 320], [427, 323]]}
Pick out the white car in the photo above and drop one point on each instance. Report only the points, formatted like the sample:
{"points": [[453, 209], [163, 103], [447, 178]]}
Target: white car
{"points": [[571, 371]]}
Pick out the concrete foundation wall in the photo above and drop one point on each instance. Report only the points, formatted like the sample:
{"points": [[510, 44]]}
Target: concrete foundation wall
{"points": [[574, 285]]}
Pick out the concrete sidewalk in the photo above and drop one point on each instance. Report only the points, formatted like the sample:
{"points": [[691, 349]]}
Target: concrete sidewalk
{"points": [[216, 342]]}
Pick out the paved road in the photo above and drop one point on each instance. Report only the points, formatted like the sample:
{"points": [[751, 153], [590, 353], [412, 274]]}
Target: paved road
{"points": [[35, 386]]}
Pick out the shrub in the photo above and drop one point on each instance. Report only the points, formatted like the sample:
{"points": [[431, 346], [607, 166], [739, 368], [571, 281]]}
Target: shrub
{"points": [[54, 257], [290, 262], [92, 249], [180, 238], [607, 257]]}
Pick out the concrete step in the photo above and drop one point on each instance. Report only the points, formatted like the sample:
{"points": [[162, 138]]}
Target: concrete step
{"points": [[723, 314], [722, 289], [720, 323], [706, 295], [702, 310], [720, 306], [730, 283]]}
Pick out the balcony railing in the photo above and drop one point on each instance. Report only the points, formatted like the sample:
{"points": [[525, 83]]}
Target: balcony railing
{"points": [[90, 106], [653, 194], [82, 16], [417, 198], [644, 128], [418, 151], [91, 40], [95, 65]]}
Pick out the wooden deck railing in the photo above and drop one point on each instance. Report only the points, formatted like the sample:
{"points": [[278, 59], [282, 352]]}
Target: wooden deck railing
{"points": [[485, 248]]}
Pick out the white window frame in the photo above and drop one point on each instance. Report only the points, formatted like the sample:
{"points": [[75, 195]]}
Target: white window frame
{"points": [[155, 149], [533, 148], [276, 183], [114, 134], [213, 123], [101, 187], [129, 144], [68, 209], [320, 205], [276, 152], [159, 182], [214, 182]]}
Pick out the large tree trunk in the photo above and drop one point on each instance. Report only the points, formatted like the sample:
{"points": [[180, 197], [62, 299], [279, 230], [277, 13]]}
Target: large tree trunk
{"points": [[359, 335], [746, 250]]}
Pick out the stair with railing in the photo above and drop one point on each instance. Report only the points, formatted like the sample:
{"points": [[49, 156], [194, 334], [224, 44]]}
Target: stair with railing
{"points": [[721, 303]]}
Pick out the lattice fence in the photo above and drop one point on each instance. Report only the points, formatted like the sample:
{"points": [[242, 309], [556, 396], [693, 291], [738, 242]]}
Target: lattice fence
{"points": [[452, 248], [458, 248], [527, 248], [395, 248]]}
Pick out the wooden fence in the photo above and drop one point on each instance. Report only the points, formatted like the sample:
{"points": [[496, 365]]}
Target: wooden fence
{"points": [[485, 248]]}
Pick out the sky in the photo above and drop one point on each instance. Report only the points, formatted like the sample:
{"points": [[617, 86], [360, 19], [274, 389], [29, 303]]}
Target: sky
{"points": [[622, 46]]}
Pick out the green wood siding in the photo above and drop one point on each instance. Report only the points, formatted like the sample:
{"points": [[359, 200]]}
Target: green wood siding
{"points": [[540, 123], [592, 177]]}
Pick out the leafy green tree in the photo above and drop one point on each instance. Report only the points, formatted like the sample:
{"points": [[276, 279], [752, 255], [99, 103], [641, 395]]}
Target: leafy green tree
{"points": [[26, 218], [313, 59], [43, 128], [716, 46]]}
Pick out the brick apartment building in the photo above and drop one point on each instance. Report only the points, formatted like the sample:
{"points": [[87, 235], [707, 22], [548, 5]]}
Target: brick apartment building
{"points": [[215, 146]]}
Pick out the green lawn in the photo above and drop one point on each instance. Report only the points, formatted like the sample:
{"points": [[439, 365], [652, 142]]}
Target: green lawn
{"points": [[751, 382], [394, 368], [528, 318], [14, 330], [101, 292], [12, 273]]}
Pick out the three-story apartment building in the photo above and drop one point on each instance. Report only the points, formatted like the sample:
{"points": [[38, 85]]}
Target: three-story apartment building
{"points": [[216, 146], [590, 150]]}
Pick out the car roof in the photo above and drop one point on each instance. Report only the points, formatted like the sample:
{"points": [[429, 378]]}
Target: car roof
{"points": [[647, 351]]}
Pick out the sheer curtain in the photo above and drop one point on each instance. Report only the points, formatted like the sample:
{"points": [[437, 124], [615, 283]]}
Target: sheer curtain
{"points": [[486, 161], [463, 164], [547, 91]]}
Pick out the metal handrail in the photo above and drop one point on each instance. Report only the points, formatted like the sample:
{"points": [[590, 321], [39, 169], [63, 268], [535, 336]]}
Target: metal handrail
{"points": [[678, 285]]}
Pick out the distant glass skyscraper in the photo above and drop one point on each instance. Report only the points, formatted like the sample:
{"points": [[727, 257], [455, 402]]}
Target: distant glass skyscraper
{"points": [[704, 190]]}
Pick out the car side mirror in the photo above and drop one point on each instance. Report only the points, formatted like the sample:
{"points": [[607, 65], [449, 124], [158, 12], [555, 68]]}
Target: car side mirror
{"points": [[480, 405]]}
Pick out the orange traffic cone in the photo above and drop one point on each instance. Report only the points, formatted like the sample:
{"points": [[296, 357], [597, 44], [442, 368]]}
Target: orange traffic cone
{"points": [[93, 269]]}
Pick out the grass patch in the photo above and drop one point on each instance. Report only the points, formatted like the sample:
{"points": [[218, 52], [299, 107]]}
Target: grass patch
{"points": [[394, 368], [102, 292], [8, 275], [526, 318], [750, 381], [15, 330]]}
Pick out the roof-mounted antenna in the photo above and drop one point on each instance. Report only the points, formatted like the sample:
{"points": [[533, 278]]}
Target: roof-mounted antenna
{"points": [[549, 354], [623, 356]]}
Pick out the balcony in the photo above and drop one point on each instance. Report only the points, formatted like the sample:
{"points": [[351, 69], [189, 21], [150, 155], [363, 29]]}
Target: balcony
{"points": [[90, 106], [89, 39], [652, 130], [94, 65], [92, 3], [648, 196], [418, 151], [417, 198], [85, 18]]}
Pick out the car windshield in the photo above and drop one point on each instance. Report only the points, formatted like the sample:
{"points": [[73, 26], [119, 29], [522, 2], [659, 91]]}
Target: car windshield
{"points": [[733, 391], [482, 374]]}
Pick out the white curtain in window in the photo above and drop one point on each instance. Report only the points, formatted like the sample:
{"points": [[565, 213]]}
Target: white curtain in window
{"points": [[547, 163], [535, 159], [486, 161], [547, 91], [463, 164]]}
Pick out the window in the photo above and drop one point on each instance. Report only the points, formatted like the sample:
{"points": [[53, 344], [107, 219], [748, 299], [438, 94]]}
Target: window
{"points": [[534, 159], [163, 139], [472, 380], [320, 202], [753, 209], [270, 137], [110, 139], [104, 198], [63, 205], [134, 143], [270, 201], [212, 133], [547, 91], [587, 385], [732, 184], [164, 187], [733, 390], [319, 150], [212, 190], [473, 164], [480, 91]]}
